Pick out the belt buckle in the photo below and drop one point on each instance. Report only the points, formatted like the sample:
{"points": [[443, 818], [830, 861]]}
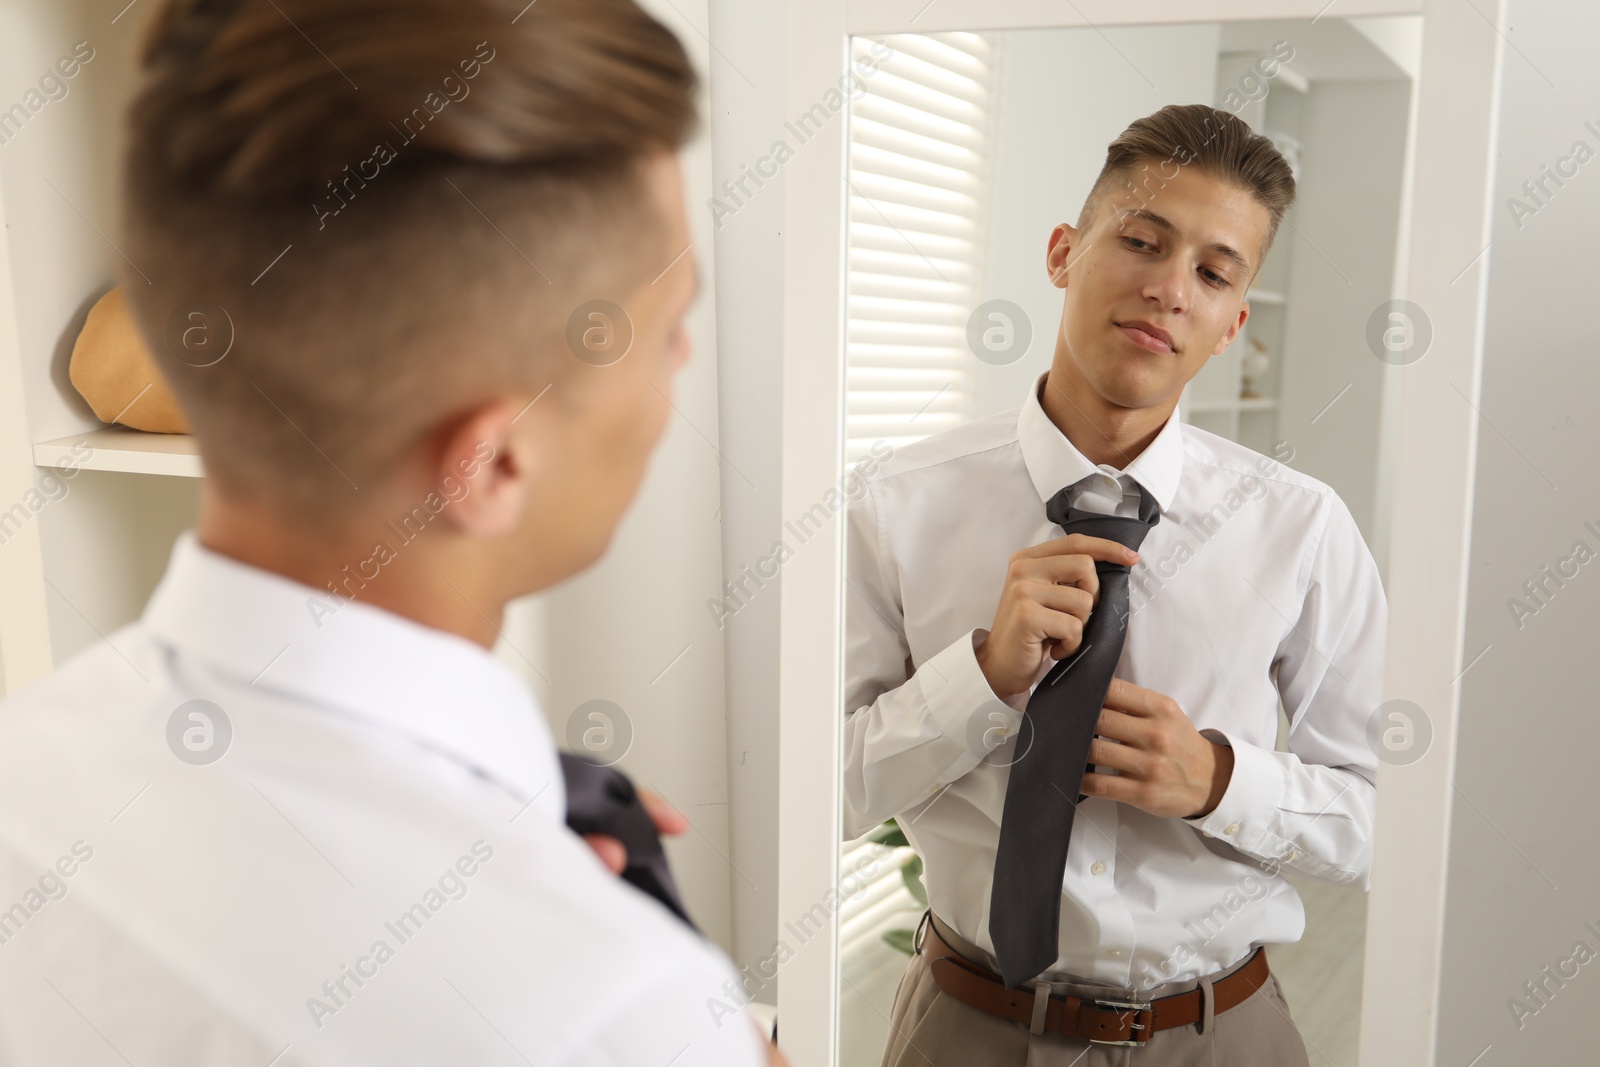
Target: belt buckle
{"points": [[1119, 1006]]}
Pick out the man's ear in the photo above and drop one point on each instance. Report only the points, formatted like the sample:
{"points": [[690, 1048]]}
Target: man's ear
{"points": [[1232, 331], [491, 463], [1063, 239]]}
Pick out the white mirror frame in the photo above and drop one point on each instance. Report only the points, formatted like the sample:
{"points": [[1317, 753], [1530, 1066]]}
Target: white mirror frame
{"points": [[1445, 271]]}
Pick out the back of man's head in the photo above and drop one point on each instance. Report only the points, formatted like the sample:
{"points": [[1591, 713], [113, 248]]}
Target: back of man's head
{"points": [[384, 212]]}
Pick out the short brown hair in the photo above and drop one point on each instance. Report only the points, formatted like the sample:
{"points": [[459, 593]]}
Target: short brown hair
{"points": [[1217, 142], [390, 206]]}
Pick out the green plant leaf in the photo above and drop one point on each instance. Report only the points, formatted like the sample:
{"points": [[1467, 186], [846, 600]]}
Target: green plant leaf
{"points": [[889, 834], [911, 874], [900, 939]]}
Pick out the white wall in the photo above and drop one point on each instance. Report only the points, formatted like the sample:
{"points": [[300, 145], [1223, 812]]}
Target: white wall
{"points": [[1064, 95], [1342, 262], [710, 741], [707, 731], [748, 83], [1523, 863], [633, 629]]}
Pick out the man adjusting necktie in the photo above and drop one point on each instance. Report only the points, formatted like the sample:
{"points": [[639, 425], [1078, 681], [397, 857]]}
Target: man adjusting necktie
{"points": [[1043, 791], [1070, 629]]}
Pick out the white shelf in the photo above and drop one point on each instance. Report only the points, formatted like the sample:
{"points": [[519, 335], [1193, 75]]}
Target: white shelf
{"points": [[117, 448], [1259, 403], [1265, 296], [1293, 78]]}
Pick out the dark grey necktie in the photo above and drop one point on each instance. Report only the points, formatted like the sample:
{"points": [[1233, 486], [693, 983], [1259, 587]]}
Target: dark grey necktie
{"points": [[602, 800], [1042, 793]]}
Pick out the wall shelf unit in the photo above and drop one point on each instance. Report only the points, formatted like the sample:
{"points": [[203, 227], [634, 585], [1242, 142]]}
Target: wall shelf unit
{"points": [[117, 448], [85, 531], [1214, 399], [1338, 108], [1254, 403]]}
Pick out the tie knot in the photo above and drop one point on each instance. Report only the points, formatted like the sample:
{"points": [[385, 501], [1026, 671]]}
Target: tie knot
{"points": [[1126, 531]]}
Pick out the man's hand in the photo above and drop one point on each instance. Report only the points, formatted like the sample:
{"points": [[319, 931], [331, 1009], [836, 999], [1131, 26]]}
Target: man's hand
{"points": [[1049, 591], [1163, 765], [668, 823]]}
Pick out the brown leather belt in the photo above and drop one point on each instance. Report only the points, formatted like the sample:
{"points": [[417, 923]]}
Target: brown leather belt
{"points": [[1100, 1020]]}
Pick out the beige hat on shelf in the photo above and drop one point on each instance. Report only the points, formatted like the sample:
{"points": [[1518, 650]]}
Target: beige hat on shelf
{"points": [[113, 369]]}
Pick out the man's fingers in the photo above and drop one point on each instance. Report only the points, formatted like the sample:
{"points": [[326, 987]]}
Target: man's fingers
{"points": [[1125, 696], [1100, 548], [610, 851], [1075, 570], [667, 819], [1063, 599], [1120, 787], [1058, 627], [1128, 729], [1124, 759]]}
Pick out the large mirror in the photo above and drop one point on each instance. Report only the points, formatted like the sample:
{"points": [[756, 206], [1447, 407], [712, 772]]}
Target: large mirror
{"points": [[1005, 348]]}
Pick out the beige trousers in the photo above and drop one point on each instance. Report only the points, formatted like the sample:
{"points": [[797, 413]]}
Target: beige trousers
{"points": [[928, 1028]]}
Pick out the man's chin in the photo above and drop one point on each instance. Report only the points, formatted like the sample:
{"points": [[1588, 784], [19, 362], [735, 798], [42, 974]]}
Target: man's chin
{"points": [[1129, 389]]}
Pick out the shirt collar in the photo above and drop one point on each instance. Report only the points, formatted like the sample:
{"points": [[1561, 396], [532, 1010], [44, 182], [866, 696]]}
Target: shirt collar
{"points": [[1054, 463], [436, 688]]}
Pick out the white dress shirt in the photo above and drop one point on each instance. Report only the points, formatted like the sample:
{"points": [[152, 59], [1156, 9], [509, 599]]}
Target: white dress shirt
{"points": [[1254, 585], [376, 870]]}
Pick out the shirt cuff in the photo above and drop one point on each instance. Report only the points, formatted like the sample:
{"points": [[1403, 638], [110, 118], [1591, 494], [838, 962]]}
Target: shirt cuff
{"points": [[1243, 818], [960, 701]]}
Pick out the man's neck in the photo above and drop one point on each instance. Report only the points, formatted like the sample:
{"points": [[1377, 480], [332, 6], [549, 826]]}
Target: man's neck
{"points": [[412, 583], [1103, 432]]}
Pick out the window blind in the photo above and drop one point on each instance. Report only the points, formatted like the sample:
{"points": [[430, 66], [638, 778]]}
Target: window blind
{"points": [[920, 138], [919, 143]]}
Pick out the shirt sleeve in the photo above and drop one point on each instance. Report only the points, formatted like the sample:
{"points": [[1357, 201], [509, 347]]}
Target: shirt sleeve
{"points": [[1312, 809], [909, 730]]}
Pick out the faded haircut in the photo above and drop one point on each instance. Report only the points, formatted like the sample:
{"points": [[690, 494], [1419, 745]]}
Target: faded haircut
{"points": [[380, 213], [1215, 142]]}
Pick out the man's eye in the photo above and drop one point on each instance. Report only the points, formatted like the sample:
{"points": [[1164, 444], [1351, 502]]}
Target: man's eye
{"points": [[1138, 242], [1214, 278]]}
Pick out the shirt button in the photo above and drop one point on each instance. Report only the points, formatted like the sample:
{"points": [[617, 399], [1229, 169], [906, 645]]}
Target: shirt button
{"points": [[1115, 952], [1098, 868], [1293, 855], [1231, 828]]}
